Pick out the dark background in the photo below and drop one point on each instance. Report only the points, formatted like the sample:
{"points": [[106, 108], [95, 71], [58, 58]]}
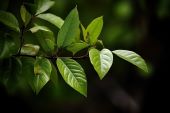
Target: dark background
{"points": [[139, 25]]}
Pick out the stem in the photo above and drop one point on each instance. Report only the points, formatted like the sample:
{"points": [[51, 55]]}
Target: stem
{"points": [[21, 39]]}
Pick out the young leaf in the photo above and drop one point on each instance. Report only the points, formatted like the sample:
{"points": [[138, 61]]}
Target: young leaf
{"points": [[132, 57], [53, 19], [45, 37], [94, 29], [84, 33], [76, 47], [101, 61], [43, 5], [30, 49], [25, 15], [73, 74], [69, 30], [42, 71], [9, 20]]}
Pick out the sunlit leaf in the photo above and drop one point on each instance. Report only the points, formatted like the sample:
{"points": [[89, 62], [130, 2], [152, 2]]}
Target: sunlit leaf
{"points": [[94, 29], [132, 57], [73, 74], [53, 19], [30, 49], [101, 61], [9, 20], [43, 5], [69, 30]]}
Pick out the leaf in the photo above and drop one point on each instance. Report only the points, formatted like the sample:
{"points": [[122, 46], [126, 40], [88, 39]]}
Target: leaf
{"points": [[69, 30], [132, 57], [53, 19], [43, 5], [54, 75], [30, 49], [73, 74], [94, 29], [84, 33], [9, 20], [42, 71], [76, 47], [101, 61], [45, 38], [25, 15]]}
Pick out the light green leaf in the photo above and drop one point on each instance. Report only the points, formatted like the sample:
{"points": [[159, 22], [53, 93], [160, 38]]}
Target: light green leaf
{"points": [[76, 47], [42, 71], [25, 15], [53, 19], [84, 33], [45, 38], [94, 29], [73, 74], [9, 20], [30, 49], [69, 30], [132, 57], [43, 5], [101, 61]]}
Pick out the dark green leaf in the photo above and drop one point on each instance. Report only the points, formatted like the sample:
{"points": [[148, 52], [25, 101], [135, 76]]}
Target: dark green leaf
{"points": [[42, 71], [101, 61], [45, 38], [132, 57], [76, 47], [68, 32], [30, 49], [9, 20], [53, 19], [73, 74], [94, 29], [43, 5], [25, 15]]}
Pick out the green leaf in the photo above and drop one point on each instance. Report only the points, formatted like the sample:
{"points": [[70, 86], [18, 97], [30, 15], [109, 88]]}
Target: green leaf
{"points": [[101, 61], [54, 75], [9, 20], [84, 33], [73, 74], [69, 30], [76, 47], [132, 57], [43, 5], [42, 71], [53, 19], [30, 49], [25, 15], [94, 29], [45, 38]]}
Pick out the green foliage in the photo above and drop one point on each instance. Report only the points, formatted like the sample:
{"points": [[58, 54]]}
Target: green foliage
{"points": [[9, 20], [32, 63], [68, 31], [101, 61], [73, 74]]}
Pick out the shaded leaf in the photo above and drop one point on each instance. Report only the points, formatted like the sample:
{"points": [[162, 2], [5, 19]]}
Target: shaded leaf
{"points": [[73, 74], [45, 38], [9, 20], [132, 57], [76, 47], [69, 30], [94, 29], [30, 49], [101, 61], [53, 19], [42, 71], [25, 15]]}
